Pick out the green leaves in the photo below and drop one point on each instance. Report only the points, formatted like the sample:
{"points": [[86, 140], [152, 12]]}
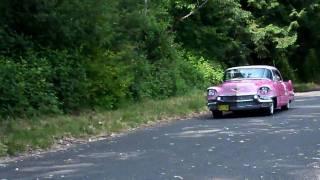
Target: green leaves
{"points": [[264, 4], [285, 42], [279, 36], [65, 55]]}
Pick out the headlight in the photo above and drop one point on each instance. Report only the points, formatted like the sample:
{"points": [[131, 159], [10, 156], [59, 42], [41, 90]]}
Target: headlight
{"points": [[212, 92], [264, 90]]}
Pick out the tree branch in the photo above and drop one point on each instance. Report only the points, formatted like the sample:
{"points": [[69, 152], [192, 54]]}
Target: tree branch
{"points": [[145, 7], [194, 10]]}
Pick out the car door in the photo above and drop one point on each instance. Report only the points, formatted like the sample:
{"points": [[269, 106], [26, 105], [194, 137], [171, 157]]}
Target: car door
{"points": [[280, 87]]}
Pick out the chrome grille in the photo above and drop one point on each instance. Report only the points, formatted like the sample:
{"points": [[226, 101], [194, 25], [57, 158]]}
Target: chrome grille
{"points": [[237, 98]]}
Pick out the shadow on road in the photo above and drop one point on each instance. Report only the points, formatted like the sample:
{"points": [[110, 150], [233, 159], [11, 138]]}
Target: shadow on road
{"points": [[242, 114]]}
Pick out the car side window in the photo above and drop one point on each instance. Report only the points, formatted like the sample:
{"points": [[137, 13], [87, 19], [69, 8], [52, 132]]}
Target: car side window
{"points": [[268, 74], [276, 75]]}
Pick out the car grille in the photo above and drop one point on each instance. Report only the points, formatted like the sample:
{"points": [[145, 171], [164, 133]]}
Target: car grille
{"points": [[240, 104], [237, 98]]}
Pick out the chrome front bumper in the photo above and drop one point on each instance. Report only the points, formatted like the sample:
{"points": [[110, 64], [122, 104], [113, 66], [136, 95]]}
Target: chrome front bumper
{"points": [[236, 103]]}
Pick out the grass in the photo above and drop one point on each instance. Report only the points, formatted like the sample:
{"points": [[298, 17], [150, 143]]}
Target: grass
{"points": [[20, 135], [304, 87]]}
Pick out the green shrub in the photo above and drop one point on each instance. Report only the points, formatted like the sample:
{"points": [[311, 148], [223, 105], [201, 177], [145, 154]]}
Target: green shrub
{"points": [[285, 68], [305, 87], [12, 97], [3, 149], [68, 77], [109, 79], [311, 67], [25, 87], [44, 82], [201, 73]]}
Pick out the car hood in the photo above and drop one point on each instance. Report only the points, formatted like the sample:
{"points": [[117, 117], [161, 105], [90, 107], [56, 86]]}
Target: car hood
{"points": [[242, 87]]}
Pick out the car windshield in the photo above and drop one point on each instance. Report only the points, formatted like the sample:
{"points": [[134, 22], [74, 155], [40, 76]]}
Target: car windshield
{"points": [[247, 73]]}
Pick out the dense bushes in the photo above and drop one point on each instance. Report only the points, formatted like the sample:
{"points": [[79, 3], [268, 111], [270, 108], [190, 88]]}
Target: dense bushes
{"points": [[24, 86], [311, 70], [201, 73], [45, 82], [61, 55], [57, 81]]}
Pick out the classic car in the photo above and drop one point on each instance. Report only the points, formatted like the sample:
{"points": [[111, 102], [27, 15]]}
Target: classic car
{"points": [[250, 88]]}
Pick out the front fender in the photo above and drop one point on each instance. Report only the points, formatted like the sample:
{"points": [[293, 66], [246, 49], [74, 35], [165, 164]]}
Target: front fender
{"points": [[217, 89]]}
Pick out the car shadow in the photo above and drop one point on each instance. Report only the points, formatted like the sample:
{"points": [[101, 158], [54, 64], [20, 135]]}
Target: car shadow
{"points": [[243, 114]]}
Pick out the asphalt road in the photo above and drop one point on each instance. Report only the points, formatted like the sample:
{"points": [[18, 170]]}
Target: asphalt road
{"points": [[247, 146]]}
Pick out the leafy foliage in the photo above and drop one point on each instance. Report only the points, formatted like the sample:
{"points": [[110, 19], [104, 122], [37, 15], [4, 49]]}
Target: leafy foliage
{"points": [[62, 56]]}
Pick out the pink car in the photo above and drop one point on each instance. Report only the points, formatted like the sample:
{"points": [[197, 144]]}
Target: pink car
{"points": [[249, 88]]}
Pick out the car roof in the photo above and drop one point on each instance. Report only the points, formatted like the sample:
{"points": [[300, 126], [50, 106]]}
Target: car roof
{"points": [[254, 66]]}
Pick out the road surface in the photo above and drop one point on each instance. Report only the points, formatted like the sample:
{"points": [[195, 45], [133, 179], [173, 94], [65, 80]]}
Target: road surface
{"points": [[283, 146]]}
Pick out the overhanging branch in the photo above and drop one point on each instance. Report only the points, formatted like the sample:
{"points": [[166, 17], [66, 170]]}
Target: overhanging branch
{"points": [[194, 10]]}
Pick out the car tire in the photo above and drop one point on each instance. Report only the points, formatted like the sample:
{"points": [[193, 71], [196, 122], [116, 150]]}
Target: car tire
{"points": [[217, 114], [286, 107], [270, 110]]}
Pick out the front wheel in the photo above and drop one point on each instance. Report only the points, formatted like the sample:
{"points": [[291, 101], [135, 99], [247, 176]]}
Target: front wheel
{"points": [[217, 114], [286, 107], [270, 109]]}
